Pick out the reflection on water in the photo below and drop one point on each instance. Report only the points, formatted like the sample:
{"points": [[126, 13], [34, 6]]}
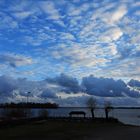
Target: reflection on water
{"points": [[127, 116]]}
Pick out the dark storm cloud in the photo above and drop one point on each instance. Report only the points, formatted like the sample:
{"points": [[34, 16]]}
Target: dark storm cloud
{"points": [[107, 87], [48, 93], [67, 83], [134, 83], [7, 86], [52, 87]]}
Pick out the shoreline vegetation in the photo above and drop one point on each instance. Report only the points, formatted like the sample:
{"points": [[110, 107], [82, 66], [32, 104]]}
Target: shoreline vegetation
{"points": [[28, 105], [54, 105]]}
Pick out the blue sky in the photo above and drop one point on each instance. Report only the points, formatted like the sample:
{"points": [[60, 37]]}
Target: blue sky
{"points": [[63, 41], [41, 38]]}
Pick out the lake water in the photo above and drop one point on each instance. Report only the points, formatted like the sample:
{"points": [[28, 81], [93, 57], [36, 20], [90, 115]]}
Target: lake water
{"points": [[127, 116]]}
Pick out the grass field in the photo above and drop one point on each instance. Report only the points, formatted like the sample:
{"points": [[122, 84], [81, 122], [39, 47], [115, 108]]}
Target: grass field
{"points": [[70, 130]]}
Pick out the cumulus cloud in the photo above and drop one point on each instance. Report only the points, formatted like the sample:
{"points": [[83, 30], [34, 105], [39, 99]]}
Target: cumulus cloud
{"points": [[134, 83], [103, 86], [68, 84], [107, 87], [48, 93], [15, 60], [65, 89], [7, 86]]}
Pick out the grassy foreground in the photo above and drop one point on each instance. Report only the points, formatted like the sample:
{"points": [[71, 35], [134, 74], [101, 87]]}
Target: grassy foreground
{"points": [[70, 130]]}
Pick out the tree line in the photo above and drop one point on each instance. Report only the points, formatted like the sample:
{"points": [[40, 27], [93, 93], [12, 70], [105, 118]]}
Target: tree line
{"points": [[29, 105]]}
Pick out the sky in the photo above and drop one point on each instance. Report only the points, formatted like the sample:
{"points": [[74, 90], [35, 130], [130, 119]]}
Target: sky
{"points": [[70, 41]]}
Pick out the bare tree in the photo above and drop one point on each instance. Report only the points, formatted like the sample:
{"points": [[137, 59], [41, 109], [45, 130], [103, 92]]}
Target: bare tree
{"points": [[108, 107], [91, 104]]}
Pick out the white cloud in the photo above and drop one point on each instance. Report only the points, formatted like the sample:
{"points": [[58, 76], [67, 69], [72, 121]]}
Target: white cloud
{"points": [[124, 69], [66, 36], [49, 8], [135, 39], [136, 4], [74, 11], [110, 17], [137, 13], [79, 56], [37, 39], [15, 60], [22, 15], [112, 34], [118, 14], [7, 22]]}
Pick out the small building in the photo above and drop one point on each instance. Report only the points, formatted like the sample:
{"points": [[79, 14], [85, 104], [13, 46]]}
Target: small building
{"points": [[77, 114]]}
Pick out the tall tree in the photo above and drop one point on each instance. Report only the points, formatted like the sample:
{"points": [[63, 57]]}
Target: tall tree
{"points": [[108, 107], [91, 104]]}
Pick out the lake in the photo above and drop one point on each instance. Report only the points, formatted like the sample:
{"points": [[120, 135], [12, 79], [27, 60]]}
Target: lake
{"points": [[127, 116]]}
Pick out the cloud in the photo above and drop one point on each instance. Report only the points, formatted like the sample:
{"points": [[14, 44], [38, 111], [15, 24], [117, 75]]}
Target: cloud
{"points": [[123, 67], [110, 13], [112, 34], [89, 37], [136, 39], [48, 93], [36, 40], [22, 15], [7, 86], [136, 4], [134, 83], [49, 8], [7, 22], [106, 87], [137, 13], [118, 14], [74, 11], [66, 90], [15, 60], [78, 56], [66, 36], [68, 84]]}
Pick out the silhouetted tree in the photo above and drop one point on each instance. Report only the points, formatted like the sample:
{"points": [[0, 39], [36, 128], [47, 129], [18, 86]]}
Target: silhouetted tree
{"points": [[108, 107], [91, 104]]}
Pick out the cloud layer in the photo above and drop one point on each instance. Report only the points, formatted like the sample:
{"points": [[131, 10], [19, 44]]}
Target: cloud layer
{"points": [[74, 37], [64, 89]]}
